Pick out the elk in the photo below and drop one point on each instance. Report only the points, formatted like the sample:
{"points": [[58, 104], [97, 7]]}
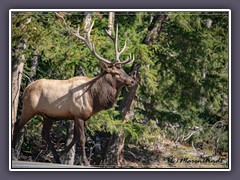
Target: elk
{"points": [[77, 98]]}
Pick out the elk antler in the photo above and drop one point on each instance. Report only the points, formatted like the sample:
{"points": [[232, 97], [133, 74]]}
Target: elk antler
{"points": [[118, 53], [90, 45], [86, 39]]}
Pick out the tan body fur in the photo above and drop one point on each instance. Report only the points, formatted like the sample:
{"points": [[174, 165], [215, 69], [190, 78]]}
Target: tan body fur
{"points": [[59, 99]]}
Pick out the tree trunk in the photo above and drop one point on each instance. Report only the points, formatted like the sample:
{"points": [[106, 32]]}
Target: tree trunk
{"points": [[34, 65], [17, 71], [70, 156], [87, 21], [111, 18], [155, 29], [114, 152]]}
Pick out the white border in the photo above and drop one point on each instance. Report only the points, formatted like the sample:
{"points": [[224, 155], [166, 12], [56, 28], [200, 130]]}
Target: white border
{"points": [[10, 90], [118, 10], [230, 88]]}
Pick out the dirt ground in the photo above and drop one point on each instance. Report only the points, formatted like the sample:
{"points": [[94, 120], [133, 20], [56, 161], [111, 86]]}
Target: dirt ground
{"points": [[162, 154], [171, 155]]}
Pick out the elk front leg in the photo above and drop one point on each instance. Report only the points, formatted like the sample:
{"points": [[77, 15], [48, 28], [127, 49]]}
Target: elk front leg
{"points": [[80, 129], [47, 126]]}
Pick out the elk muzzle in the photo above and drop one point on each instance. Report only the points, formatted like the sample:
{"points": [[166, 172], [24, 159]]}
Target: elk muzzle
{"points": [[130, 82]]}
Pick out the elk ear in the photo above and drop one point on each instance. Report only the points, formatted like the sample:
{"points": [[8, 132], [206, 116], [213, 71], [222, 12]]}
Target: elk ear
{"points": [[107, 67], [110, 69], [104, 65]]}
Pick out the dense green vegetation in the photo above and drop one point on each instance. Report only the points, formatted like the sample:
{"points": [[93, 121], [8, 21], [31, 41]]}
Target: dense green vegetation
{"points": [[183, 94]]}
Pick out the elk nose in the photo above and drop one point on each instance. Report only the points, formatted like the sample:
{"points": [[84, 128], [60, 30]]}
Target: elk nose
{"points": [[133, 82]]}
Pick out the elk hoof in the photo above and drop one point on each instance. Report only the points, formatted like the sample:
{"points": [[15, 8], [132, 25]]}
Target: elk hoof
{"points": [[57, 161], [86, 164]]}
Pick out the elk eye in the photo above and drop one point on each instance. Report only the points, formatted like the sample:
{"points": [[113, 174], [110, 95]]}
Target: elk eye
{"points": [[118, 66]]}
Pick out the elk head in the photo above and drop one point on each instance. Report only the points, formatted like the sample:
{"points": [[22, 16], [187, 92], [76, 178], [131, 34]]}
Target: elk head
{"points": [[113, 68]]}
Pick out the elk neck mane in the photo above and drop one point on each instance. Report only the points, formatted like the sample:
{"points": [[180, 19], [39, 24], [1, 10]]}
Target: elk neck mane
{"points": [[104, 91]]}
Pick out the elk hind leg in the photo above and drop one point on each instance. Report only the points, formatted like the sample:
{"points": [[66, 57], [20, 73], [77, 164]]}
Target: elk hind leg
{"points": [[80, 129], [18, 134], [47, 126]]}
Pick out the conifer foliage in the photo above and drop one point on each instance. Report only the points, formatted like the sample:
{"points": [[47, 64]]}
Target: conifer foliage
{"points": [[184, 87]]}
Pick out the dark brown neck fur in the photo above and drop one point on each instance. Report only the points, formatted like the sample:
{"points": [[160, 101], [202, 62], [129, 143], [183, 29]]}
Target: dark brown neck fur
{"points": [[104, 92]]}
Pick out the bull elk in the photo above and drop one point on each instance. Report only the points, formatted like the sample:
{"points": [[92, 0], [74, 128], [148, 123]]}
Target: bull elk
{"points": [[77, 98]]}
